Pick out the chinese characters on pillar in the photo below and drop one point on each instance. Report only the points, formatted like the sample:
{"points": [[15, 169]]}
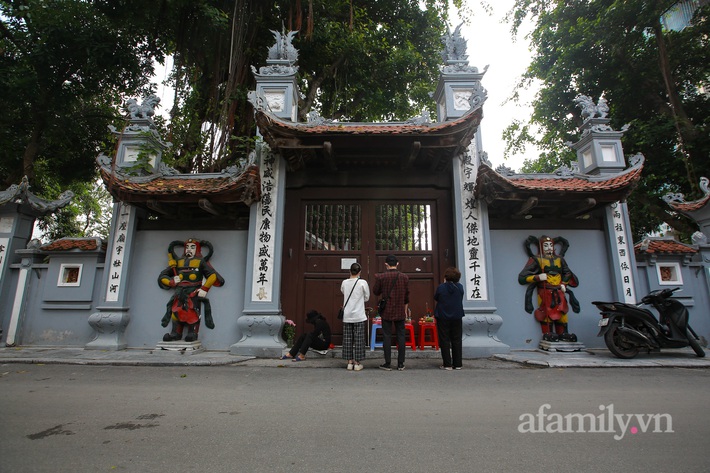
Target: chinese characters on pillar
{"points": [[621, 246], [474, 253], [115, 264], [4, 242], [263, 267]]}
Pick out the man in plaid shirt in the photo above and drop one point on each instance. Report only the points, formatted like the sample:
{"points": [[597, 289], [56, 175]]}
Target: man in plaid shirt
{"points": [[394, 286]]}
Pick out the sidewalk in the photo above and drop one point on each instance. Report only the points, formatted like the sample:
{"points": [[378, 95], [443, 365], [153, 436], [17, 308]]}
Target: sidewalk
{"points": [[419, 359]]}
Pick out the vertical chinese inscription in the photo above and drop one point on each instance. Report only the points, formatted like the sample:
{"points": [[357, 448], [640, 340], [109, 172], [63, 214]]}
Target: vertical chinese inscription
{"points": [[4, 243], [118, 250], [621, 246], [263, 267], [474, 253]]}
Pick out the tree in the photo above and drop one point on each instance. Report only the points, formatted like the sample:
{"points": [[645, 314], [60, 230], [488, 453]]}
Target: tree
{"points": [[358, 61], [651, 77], [67, 67], [87, 215], [64, 70]]}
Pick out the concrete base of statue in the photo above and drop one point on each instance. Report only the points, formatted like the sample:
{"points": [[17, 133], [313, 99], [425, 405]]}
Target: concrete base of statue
{"points": [[181, 346], [561, 347], [480, 335], [261, 336]]}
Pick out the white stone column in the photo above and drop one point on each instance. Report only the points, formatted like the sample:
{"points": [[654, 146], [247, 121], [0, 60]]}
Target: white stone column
{"points": [[481, 322], [260, 324], [113, 316]]}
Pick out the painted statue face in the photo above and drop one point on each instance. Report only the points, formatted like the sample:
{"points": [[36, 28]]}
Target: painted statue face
{"points": [[190, 249], [548, 248]]}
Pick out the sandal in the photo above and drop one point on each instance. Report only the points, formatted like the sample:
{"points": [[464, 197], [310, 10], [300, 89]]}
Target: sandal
{"points": [[286, 357], [298, 358]]}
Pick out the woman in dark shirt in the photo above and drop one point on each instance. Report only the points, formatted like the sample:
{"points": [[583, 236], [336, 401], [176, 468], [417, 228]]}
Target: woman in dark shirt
{"points": [[449, 315], [318, 339]]}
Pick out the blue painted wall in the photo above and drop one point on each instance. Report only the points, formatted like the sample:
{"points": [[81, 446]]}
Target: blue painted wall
{"points": [[588, 259], [148, 301]]}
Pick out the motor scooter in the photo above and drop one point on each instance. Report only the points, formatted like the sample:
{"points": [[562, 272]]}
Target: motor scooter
{"points": [[629, 328]]}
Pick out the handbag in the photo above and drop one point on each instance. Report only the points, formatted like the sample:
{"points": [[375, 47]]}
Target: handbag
{"points": [[382, 304], [341, 312]]}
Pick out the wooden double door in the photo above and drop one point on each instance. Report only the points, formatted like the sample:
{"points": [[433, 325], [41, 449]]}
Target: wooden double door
{"points": [[324, 234]]}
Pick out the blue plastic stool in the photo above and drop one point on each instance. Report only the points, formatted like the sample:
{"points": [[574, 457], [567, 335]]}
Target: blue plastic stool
{"points": [[373, 337]]}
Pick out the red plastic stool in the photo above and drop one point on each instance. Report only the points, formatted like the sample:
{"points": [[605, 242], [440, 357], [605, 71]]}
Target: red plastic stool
{"points": [[428, 328]]}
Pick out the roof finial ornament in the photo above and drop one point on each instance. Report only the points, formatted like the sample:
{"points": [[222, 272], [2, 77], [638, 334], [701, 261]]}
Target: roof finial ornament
{"points": [[589, 109], [454, 53], [282, 56], [21, 194], [144, 111], [454, 46], [283, 49]]}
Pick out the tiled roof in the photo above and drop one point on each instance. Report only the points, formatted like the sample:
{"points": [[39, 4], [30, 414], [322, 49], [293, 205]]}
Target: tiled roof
{"points": [[545, 196], [341, 146], [77, 244], [185, 189], [33, 205], [690, 206], [270, 121], [566, 184], [663, 246], [677, 201]]}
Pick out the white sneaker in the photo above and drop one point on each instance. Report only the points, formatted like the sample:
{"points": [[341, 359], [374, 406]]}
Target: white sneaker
{"points": [[358, 367], [350, 366], [321, 352]]}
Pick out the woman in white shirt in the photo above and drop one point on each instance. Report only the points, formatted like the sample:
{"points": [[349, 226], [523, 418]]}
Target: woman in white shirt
{"points": [[356, 292]]}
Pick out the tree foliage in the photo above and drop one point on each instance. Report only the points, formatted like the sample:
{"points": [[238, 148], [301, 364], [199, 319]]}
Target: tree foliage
{"points": [[67, 67], [87, 215], [653, 79], [358, 61], [64, 70]]}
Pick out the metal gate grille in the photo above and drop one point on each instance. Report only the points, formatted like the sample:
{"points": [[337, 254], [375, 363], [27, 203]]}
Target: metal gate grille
{"points": [[403, 227], [333, 227]]}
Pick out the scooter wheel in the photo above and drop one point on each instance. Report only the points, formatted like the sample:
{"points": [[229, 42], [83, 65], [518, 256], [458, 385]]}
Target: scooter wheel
{"points": [[694, 344], [618, 344]]}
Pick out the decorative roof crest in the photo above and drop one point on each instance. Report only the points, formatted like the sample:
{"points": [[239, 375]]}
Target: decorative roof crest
{"points": [[483, 157], [140, 119], [282, 56], [21, 195], [144, 111], [314, 119], [162, 170], [589, 109], [594, 116], [699, 238], [679, 198], [421, 119], [504, 170], [454, 53], [568, 171]]}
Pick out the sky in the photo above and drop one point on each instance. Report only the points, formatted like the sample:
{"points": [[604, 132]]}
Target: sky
{"points": [[489, 42]]}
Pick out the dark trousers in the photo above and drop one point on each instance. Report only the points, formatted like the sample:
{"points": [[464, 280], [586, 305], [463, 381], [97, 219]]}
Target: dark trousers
{"points": [[306, 341], [387, 340], [450, 335]]}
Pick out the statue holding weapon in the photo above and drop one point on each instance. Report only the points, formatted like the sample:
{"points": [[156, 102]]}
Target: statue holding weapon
{"points": [[549, 273], [191, 276]]}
